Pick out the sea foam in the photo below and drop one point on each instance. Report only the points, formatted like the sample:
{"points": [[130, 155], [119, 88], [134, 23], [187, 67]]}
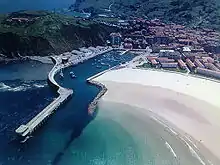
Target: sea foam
{"points": [[22, 87]]}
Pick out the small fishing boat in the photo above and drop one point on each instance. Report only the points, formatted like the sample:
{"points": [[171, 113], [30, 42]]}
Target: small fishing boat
{"points": [[72, 75], [98, 66], [26, 139], [61, 74]]}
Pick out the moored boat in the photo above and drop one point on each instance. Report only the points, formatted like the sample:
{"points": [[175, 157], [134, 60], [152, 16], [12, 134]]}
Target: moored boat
{"points": [[61, 74], [72, 75]]}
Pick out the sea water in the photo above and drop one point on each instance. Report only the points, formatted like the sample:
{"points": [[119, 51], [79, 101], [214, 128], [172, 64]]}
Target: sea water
{"points": [[119, 135], [7, 6]]}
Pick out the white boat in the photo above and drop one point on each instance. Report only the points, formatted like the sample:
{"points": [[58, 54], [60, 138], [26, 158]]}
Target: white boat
{"points": [[61, 74], [72, 75], [98, 66], [26, 138]]}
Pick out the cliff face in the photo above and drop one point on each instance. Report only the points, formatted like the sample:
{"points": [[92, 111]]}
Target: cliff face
{"points": [[27, 34], [202, 13], [13, 44]]}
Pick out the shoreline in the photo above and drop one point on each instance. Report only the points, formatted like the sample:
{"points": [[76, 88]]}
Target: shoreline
{"points": [[105, 82], [196, 150]]}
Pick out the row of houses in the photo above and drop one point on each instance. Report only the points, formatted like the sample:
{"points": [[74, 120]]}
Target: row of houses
{"points": [[165, 62], [208, 72]]}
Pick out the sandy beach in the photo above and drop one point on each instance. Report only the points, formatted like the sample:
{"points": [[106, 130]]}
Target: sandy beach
{"points": [[191, 105]]}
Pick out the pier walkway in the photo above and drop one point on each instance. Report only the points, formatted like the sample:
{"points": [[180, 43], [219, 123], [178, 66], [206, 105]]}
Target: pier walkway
{"points": [[64, 94], [31, 126]]}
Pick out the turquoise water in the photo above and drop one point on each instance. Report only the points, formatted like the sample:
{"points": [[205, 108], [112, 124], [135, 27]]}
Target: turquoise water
{"points": [[122, 135]]}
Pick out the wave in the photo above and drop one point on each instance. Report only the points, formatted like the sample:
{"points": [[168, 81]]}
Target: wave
{"points": [[3, 86], [165, 125], [20, 87], [171, 149], [193, 152]]}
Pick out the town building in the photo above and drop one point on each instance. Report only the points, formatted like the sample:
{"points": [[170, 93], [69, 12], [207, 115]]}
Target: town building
{"points": [[182, 64], [208, 72], [198, 63], [153, 62], [217, 65], [165, 60], [64, 60], [190, 64], [169, 65], [115, 39], [211, 66], [170, 54], [128, 45]]}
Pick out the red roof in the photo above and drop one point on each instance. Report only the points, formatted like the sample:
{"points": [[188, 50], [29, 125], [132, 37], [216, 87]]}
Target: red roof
{"points": [[190, 63]]}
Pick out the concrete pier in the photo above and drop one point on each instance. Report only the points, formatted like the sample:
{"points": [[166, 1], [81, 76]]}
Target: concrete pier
{"points": [[64, 94]]}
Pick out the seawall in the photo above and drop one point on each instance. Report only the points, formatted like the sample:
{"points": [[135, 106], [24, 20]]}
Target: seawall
{"points": [[92, 106]]}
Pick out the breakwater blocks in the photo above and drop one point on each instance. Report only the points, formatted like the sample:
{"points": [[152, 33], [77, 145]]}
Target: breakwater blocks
{"points": [[92, 106]]}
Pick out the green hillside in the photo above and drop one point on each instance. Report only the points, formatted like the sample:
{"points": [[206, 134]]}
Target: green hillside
{"points": [[41, 33], [203, 13]]}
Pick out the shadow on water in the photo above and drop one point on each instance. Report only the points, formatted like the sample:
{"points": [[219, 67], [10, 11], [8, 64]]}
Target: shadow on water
{"points": [[75, 134]]}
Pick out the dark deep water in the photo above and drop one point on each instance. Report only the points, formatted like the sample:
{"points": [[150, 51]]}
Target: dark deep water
{"points": [[7, 6], [24, 92]]}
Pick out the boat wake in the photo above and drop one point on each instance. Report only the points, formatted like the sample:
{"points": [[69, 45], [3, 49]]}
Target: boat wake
{"points": [[21, 87]]}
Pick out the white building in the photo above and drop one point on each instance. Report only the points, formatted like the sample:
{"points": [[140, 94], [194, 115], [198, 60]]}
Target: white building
{"points": [[169, 65]]}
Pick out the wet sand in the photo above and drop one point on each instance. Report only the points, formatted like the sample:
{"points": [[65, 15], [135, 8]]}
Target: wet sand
{"points": [[190, 105]]}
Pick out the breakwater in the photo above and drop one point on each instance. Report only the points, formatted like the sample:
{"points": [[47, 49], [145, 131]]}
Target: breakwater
{"points": [[92, 106], [64, 94]]}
